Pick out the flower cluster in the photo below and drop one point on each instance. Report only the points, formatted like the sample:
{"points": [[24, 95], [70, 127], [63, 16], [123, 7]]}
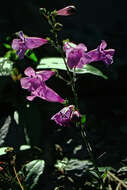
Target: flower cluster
{"points": [[77, 55]]}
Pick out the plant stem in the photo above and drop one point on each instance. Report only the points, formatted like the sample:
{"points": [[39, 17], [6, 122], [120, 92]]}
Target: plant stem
{"points": [[90, 151], [117, 179], [16, 175], [72, 80]]}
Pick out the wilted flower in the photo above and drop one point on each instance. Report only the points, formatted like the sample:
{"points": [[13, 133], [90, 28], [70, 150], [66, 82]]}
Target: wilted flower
{"points": [[77, 55], [69, 10], [66, 116], [35, 83], [24, 43]]}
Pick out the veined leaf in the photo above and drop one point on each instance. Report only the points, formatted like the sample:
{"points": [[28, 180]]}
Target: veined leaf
{"points": [[34, 169], [58, 63]]}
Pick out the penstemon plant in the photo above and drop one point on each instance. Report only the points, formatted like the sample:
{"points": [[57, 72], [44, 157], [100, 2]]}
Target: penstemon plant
{"points": [[75, 59]]}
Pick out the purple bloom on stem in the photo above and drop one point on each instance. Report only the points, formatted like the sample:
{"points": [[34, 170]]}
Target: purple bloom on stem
{"points": [[35, 83], [24, 43], [74, 54], [65, 116], [100, 54], [69, 10], [77, 55]]}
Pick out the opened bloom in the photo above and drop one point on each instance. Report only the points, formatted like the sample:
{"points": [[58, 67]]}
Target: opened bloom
{"points": [[100, 54], [77, 55], [24, 43], [69, 10], [66, 116], [35, 83]]}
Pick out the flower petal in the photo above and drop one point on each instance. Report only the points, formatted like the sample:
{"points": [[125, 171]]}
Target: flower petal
{"points": [[33, 42], [45, 74], [50, 95], [29, 71]]}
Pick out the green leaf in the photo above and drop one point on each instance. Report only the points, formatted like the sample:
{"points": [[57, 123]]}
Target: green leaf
{"points": [[31, 55], [83, 119], [2, 150], [91, 70], [105, 168], [122, 169], [7, 46], [5, 66], [34, 169], [52, 63], [25, 147], [58, 63]]}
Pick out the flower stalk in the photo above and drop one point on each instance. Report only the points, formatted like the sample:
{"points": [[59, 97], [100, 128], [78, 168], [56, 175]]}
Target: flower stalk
{"points": [[73, 86]]}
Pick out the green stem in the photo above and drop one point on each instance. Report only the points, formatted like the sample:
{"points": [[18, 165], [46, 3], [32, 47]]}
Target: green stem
{"points": [[60, 50], [72, 80], [90, 151]]}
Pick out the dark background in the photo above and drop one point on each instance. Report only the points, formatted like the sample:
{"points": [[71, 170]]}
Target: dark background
{"points": [[104, 101]]}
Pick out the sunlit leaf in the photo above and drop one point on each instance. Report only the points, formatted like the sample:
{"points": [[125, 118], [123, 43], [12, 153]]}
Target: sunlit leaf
{"points": [[25, 147], [58, 63], [2, 150]]}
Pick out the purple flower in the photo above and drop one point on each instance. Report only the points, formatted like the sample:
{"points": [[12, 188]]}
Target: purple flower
{"points": [[35, 83], [24, 43], [77, 55], [74, 54], [66, 116], [100, 54], [69, 10]]}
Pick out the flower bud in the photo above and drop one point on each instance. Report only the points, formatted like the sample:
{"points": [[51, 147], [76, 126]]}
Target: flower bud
{"points": [[66, 11]]}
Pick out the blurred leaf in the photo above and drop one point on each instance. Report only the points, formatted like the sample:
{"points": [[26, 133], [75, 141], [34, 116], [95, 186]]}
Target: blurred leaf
{"points": [[83, 119], [103, 169], [34, 169], [16, 117], [74, 166], [7, 46], [5, 66], [2, 150], [93, 173], [11, 54], [4, 130], [25, 147], [31, 55], [123, 169], [58, 63]]}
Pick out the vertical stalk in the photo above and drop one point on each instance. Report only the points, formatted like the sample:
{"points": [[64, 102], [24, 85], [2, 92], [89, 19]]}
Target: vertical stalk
{"points": [[90, 151], [72, 82]]}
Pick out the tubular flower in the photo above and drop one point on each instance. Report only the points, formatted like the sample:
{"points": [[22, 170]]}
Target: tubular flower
{"points": [[100, 54], [35, 83], [66, 116], [77, 55], [24, 43], [69, 10]]}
